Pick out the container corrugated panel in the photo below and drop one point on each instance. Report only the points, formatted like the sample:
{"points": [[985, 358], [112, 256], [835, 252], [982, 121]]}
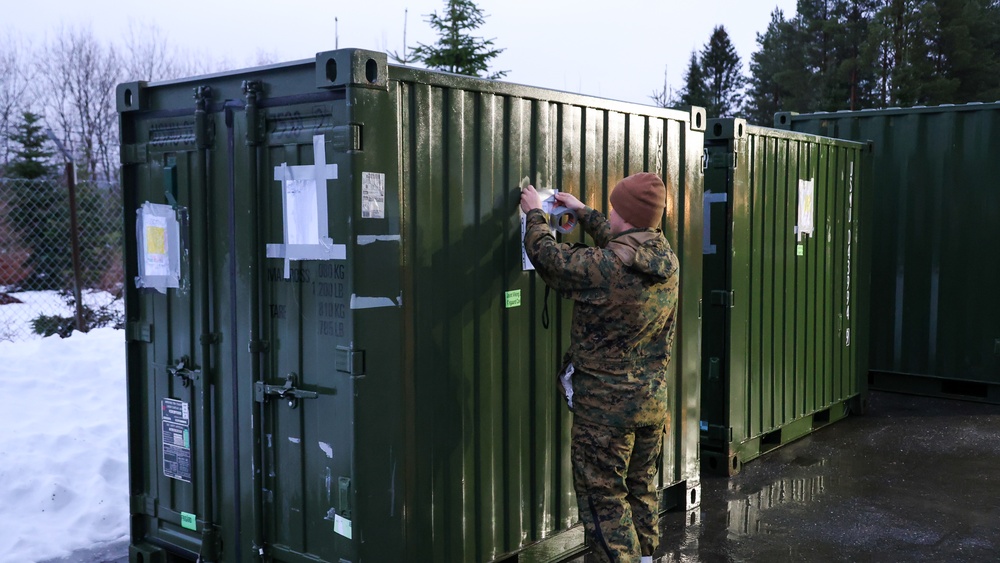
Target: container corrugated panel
{"points": [[785, 283], [935, 325], [393, 397]]}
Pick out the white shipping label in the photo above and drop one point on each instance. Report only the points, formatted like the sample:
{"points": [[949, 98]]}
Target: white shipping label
{"points": [[301, 214], [372, 195], [342, 526], [806, 207]]}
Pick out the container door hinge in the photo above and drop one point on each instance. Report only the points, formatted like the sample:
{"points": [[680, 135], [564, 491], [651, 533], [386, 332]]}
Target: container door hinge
{"points": [[134, 153], [350, 361], [143, 504], [347, 137], [258, 346], [699, 309], [704, 160], [209, 544], [288, 391], [139, 332], [722, 298]]}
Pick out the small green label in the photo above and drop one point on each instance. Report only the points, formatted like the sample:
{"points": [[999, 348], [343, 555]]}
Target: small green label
{"points": [[189, 521], [513, 298], [800, 250]]}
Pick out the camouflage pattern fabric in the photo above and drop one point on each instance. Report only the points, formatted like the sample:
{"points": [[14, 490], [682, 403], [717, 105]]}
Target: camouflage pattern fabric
{"points": [[625, 299], [613, 474]]}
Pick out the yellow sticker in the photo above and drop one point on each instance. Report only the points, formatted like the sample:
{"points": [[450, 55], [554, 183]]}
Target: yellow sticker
{"points": [[156, 242]]}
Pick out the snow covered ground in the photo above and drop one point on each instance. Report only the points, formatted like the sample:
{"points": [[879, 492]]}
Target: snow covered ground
{"points": [[63, 445]]}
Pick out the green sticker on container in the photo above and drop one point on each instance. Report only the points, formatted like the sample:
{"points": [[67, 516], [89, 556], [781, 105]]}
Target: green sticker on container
{"points": [[189, 521], [800, 249], [513, 298]]}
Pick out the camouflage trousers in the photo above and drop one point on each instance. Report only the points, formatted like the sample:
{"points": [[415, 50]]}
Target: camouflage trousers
{"points": [[613, 474]]}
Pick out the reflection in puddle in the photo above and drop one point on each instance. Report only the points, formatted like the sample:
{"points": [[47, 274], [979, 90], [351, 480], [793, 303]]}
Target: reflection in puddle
{"points": [[686, 545], [745, 514]]}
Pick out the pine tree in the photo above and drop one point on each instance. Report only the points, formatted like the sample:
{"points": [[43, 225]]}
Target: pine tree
{"points": [[854, 76], [456, 50], [961, 41], [854, 54], [31, 157], [722, 73], [767, 94], [694, 92]]}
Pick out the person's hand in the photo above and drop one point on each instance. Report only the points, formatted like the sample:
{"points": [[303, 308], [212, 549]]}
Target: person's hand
{"points": [[569, 201], [530, 199]]}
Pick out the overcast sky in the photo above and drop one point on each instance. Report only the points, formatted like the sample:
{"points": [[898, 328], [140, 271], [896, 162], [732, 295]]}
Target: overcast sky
{"points": [[615, 49]]}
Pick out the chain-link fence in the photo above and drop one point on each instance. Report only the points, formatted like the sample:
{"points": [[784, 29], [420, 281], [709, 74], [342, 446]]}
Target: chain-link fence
{"points": [[36, 259]]}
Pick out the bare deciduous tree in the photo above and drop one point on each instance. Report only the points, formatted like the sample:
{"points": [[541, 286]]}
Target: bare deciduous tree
{"points": [[78, 75], [147, 55], [15, 77]]}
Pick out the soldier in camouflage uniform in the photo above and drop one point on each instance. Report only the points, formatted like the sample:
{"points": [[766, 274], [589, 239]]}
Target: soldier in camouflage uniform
{"points": [[625, 295]]}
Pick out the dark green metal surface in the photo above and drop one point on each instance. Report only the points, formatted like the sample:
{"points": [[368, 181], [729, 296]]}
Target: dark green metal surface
{"points": [[784, 341], [396, 388], [935, 324]]}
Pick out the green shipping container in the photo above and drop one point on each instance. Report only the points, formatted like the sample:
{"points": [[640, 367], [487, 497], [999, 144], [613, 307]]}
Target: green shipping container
{"points": [[785, 282], [335, 351], [934, 330]]}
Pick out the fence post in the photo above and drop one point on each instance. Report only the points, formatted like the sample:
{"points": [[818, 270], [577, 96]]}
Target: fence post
{"points": [[74, 238], [74, 233]]}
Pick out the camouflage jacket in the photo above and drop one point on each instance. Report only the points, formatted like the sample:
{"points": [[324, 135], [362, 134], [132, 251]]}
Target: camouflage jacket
{"points": [[625, 298]]}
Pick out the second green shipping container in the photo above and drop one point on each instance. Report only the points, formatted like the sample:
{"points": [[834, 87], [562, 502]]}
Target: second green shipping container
{"points": [[785, 284]]}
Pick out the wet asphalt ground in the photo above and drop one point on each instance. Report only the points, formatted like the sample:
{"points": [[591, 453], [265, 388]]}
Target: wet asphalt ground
{"points": [[913, 479]]}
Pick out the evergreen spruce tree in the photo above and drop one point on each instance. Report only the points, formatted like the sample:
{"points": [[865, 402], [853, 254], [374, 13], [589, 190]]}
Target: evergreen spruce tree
{"points": [[694, 92], [456, 50], [31, 155], [722, 73], [37, 213]]}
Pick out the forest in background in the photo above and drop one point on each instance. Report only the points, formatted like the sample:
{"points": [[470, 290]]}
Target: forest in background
{"points": [[848, 55]]}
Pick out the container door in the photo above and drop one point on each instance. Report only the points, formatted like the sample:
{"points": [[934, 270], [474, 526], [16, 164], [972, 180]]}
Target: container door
{"points": [[306, 391], [716, 250], [170, 362]]}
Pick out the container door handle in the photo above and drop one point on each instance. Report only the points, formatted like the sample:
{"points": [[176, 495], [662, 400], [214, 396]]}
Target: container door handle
{"points": [[288, 391], [184, 370]]}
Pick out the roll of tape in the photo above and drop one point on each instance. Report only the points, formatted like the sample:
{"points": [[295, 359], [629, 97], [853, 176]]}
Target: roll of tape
{"points": [[563, 220]]}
